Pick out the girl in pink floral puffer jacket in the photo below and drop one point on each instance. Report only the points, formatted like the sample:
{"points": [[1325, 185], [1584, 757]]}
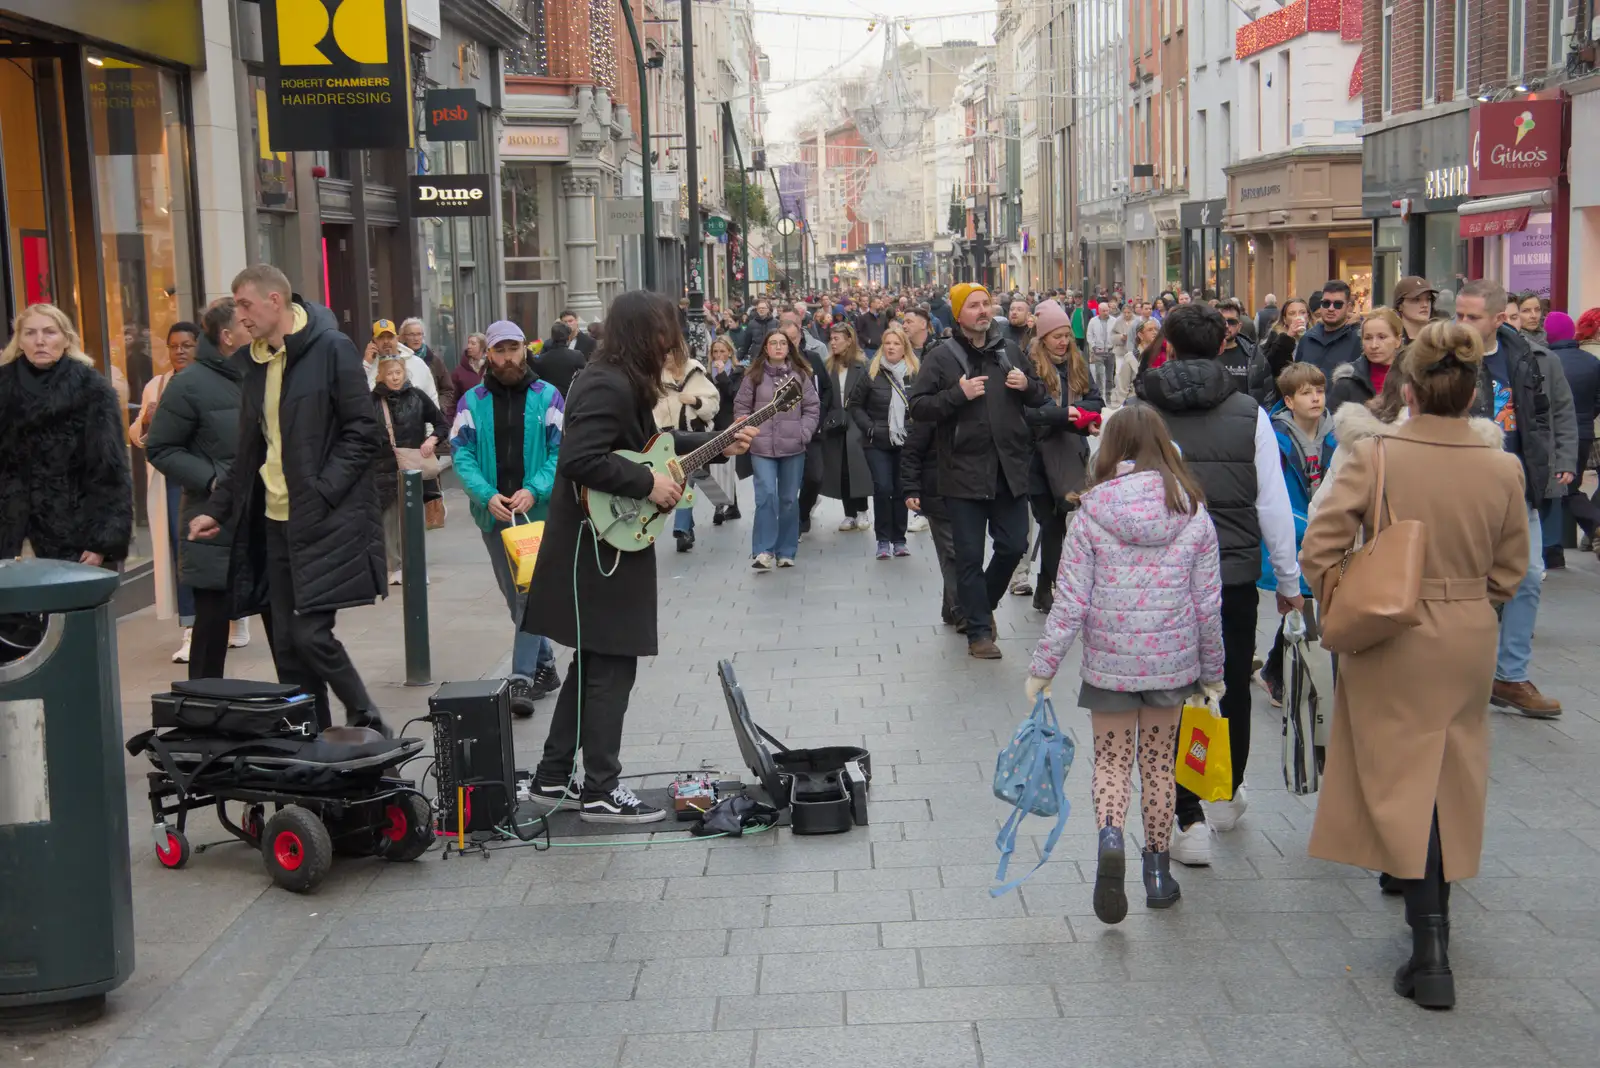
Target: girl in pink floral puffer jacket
{"points": [[1140, 579]]}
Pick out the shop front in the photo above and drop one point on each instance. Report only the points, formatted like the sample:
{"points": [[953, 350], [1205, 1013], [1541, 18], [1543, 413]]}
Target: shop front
{"points": [[1413, 180], [1206, 257], [1516, 221], [1583, 287], [97, 197], [1295, 220], [531, 158], [1101, 247], [457, 257], [1155, 251]]}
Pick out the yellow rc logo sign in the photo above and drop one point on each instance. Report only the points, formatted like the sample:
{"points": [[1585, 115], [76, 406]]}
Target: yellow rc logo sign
{"points": [[360, 31]]}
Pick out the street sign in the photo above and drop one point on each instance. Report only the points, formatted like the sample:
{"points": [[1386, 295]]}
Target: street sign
{"points": [[347, 89], [716, 225], [664, 188], [786, 226]]}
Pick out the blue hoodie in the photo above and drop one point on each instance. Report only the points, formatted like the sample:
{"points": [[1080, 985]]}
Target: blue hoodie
{"points": [[1304, 463]]}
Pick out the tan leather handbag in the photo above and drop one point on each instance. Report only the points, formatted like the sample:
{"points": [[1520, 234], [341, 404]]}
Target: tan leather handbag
{"points": [[1374, 594]]}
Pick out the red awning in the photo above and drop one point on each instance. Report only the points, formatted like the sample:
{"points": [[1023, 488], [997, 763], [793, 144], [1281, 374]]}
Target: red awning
{"points": [[1489, 223]]}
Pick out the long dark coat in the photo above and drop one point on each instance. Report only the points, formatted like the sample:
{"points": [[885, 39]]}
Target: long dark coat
{"points": [[331, 435], [65, 485], [843, 443], [193, 440], [619, 609]]}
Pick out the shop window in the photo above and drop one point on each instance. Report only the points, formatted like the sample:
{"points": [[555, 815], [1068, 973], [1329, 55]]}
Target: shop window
{"points": [[141, 146], [1459, 16], [528, 56], [1388, 60], [1516, 39], [1430, 27]]}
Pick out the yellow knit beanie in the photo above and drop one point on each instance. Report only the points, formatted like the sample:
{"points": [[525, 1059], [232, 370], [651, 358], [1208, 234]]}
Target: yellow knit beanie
{"points": [[959, 294]]}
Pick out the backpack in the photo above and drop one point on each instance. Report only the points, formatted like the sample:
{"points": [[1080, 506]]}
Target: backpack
{"points": [[1030, 774]]}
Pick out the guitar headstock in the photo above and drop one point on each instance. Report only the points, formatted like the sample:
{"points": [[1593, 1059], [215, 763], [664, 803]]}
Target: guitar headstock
{"points": [[789, 394]]}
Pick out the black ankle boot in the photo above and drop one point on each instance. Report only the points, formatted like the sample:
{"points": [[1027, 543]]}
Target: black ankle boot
{"points": [[1426, 977]]}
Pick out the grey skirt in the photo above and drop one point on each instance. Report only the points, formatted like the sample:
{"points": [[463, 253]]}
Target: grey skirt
{"points": [[1096, 699]]}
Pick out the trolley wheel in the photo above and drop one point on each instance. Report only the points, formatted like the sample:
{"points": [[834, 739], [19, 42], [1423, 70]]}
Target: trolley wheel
{"points": [[296, 849], [408, 830], [174, 853]]}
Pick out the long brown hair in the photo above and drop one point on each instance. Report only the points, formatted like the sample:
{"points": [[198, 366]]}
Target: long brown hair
{"points": [[797, 361], [1078, 381], [641, 332], [1138, 433], [852, 355]]}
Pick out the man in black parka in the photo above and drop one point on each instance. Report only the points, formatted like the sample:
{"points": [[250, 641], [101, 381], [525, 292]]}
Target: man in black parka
{"points": [[973, 386], [301, 500]]}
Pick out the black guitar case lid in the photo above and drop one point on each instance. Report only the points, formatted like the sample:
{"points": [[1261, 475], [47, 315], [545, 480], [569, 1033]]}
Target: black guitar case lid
{"points": [[752, 739]]}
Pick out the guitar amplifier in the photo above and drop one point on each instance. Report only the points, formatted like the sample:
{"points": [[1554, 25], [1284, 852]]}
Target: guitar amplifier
{"points": [[473, 750]]}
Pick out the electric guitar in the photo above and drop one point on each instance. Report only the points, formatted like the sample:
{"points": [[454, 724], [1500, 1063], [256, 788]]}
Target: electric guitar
{"points": [[630, 523]]}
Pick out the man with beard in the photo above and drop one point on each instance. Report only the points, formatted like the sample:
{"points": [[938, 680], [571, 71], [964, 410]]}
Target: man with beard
{"points": [[762, 323], [1237, 352], [1335, 338], [509, 475], [1019, 329], [869, 327]]}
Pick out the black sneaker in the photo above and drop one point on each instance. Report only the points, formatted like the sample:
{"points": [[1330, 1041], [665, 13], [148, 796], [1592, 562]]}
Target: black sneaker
{"points": [[621, 805], [370, 718], [717, 518], [555, 795], [522, 696], [545, 681], [731, 513], [685, 539]]}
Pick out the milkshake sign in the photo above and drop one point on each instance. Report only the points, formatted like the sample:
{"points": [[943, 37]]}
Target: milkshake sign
{"points": [[1516, 146]]}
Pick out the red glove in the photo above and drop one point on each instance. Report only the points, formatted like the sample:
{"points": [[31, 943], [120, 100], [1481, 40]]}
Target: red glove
{"points": [[1086, 420]]}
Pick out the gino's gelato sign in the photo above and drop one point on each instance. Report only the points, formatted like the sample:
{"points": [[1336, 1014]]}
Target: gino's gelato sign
{"points": [[1517, 146]]}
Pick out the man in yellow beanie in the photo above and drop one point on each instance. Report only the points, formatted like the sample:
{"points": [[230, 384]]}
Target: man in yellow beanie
{"points": [[973, 387]]}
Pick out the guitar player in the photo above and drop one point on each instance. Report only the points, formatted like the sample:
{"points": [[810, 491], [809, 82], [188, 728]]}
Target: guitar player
{"points": [[608, 408]]}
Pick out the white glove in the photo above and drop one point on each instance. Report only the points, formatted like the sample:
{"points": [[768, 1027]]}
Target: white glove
{"points": [[1037, 685], [1213, 691]]}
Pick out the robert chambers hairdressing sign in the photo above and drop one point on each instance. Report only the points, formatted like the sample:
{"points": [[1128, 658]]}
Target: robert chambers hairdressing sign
{"points": [[338, 74]]}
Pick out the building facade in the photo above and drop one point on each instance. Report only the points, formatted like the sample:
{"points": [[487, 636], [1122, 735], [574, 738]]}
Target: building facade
{"points": [[1158, 143], [1099, 140]]}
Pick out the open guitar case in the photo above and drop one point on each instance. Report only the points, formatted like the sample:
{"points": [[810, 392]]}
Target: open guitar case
{"points": [[824, 789]]}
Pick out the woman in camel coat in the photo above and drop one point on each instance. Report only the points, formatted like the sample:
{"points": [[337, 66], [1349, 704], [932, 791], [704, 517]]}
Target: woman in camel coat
{"points": [[1406, 779]]}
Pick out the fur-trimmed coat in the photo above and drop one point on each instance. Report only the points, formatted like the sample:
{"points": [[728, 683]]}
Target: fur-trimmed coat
{"points": [[65, 485]]}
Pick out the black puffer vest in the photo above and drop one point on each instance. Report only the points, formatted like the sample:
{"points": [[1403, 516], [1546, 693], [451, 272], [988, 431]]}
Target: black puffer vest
{"points": [[1214, 426]]}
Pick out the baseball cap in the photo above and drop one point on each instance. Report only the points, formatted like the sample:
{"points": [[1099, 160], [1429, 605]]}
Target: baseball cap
{"points": [[1412, 286], [503, 330], [382, 327]]}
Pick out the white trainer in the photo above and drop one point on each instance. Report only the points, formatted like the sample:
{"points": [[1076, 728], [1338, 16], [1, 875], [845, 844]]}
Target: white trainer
{"points": [[182, 655], [239, 633], [917, 524], [1192, 848], [1225, 815]]}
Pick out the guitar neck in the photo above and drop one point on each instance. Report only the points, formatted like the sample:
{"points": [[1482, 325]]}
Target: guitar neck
{"points": [[712, 449]]}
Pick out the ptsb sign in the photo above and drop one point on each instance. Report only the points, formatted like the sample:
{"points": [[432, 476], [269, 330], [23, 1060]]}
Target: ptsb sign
{"points": [[450, 195]]}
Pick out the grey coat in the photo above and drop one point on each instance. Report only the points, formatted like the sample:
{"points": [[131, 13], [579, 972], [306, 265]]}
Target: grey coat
{"points": [[193, 440]]}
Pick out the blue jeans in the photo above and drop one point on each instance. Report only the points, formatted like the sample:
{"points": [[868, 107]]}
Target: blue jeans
{"points": [[1522, 611], [777, 523], [683, 519], [529, 652], [1550, 520]]}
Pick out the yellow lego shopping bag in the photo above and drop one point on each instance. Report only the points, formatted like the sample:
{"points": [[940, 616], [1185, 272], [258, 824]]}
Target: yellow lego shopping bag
{"points": [[1205, 764], [522, 549]]}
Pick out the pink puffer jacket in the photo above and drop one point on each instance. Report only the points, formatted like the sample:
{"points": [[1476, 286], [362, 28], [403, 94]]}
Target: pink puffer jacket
{"points": [[1143, 585]]}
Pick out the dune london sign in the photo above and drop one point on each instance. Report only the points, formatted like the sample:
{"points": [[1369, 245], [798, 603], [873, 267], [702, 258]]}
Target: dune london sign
{"points": [[338, 74]]}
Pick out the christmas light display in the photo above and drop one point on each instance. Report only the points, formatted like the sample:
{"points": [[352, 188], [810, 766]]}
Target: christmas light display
{"points": [[1350, 20], [1355, 80], [603, 43], [1322, 16], [1269, 31]]}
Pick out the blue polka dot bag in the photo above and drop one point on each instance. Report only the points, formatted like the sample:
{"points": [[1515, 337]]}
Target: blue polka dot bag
{"points": [[1031, 775]]}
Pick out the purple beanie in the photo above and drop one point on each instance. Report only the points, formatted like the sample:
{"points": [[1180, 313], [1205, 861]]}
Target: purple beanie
{"points": [[1558, 326]]}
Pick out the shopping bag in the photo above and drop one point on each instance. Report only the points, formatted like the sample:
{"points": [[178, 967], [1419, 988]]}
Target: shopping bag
{"points": [[1030, 774], [434, 513], [1205, 766], [522, 548], [1304, 735]]}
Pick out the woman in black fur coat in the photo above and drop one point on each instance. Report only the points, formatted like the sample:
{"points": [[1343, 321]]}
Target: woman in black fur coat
{"points": [[65, 485], [414, 422]]}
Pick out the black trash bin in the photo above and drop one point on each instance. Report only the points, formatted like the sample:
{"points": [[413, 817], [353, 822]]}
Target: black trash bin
{"points": [[66, 896]]}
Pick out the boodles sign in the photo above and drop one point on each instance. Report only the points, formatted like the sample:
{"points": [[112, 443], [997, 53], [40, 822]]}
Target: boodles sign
{"points": [[1516, 146], [338, 74], [450, 195]]}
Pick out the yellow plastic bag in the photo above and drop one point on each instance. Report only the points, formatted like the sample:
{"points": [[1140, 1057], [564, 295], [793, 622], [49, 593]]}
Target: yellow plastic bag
{"points": [[1205, 763], [522, 549]]}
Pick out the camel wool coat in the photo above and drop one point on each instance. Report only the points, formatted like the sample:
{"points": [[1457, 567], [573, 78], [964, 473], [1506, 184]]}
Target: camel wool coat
{"points": [[1410, 724]]}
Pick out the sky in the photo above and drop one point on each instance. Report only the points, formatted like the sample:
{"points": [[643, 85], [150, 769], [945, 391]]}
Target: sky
{"points": [[805, 51]]}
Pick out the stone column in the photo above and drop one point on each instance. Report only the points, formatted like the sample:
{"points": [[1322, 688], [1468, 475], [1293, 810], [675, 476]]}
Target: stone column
{"points": [[220, 177], [579, 190]]}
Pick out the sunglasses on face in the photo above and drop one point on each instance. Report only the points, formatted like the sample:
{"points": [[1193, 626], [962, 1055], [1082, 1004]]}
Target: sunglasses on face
{"points": [[1230, 322], [1333, 304]]}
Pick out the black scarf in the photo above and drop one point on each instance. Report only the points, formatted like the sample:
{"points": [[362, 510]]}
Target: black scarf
{"points": [[510, 419], [35, 381]]}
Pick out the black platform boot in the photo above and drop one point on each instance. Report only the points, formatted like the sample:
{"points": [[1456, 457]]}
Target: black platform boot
{"points": [[1426, 977]]}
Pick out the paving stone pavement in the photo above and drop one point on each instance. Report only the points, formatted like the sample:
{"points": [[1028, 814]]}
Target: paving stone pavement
{"points": [[879, 947]]}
